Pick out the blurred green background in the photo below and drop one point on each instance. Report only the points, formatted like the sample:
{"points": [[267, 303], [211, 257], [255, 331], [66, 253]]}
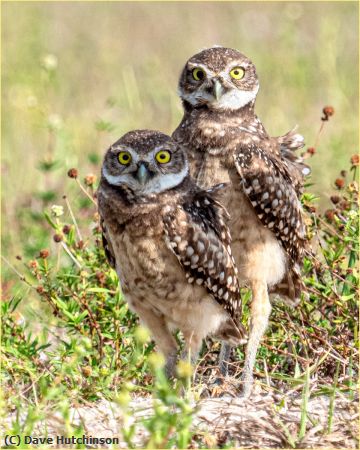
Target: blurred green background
{"points": [[75, 76]]}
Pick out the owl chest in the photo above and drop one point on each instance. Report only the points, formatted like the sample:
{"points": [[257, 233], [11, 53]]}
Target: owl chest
{"points": [[207, 169], [243, 222], [145, 265]]}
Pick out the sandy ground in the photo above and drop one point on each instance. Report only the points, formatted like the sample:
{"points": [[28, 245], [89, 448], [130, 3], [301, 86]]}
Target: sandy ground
{"points": [[255, 423]]}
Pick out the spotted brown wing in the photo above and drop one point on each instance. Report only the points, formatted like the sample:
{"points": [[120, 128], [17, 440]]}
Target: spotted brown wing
{"points": [[196, 232], [268, 186], [109, 252]]}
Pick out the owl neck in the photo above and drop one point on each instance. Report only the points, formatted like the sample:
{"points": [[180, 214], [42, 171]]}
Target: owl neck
{"points": [[204, 128], [247, 111], [124, 194]]}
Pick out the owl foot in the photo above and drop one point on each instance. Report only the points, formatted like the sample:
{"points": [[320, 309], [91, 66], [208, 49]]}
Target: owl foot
{"points": [[222, 387], [170, 366], [245, 387]]}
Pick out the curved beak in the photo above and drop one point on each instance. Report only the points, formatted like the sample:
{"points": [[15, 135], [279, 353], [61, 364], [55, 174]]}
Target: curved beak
{"points": [[218, 89], [142, 174]]}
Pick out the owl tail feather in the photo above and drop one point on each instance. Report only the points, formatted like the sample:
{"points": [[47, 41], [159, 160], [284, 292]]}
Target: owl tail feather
{"points": [[289, 143], [290, 287], [232, 332], [291, 140]]}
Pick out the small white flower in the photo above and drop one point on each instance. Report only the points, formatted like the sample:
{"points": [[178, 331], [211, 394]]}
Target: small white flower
{"points": [[50, 62], [57, 210], [54, 122], [352, 214]]}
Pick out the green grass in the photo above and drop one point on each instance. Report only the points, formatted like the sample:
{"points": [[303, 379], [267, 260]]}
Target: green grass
{"points": [[78, 75]]}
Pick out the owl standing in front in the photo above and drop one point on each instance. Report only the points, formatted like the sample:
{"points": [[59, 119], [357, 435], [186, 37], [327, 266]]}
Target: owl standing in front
{"points": [[226, 143], [169, 244]]}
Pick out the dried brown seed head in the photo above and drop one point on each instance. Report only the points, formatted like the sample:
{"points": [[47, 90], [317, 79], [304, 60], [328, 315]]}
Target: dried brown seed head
{"points": [[66, 229], [354, 160], [328, 111], [90, 179], [44, 253], [72, 173], [345, 205], [339, 183], [80, 245], [330, 214], [335, 199], [58, 237]]}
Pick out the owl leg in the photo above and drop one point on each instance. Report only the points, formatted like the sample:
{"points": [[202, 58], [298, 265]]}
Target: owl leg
{"points": [[260, 312], [192, 346], [224, 358], [162, 337]]}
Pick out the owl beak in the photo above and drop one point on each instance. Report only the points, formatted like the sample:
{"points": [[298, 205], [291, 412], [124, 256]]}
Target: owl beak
{"points": [[218, 90], [142, 174]]}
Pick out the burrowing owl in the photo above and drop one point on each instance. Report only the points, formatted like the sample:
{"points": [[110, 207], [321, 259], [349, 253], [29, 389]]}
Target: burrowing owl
{"points": [[168, 241], [226, 142]]}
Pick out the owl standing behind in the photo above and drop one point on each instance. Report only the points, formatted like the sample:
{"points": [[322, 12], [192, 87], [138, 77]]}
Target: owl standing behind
{"points": [[168, 243], [226, 142]]}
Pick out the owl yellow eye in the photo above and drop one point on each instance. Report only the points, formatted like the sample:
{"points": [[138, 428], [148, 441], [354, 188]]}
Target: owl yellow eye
{"points": [[198, 74], [237, 73], [124, 158], [163, 156]]}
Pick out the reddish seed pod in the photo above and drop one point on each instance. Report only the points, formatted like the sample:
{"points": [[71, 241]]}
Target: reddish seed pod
{"points": [[339, 183], [80, 245], [330, 214], [33, 264], [44, 253], [335, 199], [328, 111], [72, 173], [354, 160], [66, 229], [40, 290], [345, 205], [311, 150], [57, 237]]}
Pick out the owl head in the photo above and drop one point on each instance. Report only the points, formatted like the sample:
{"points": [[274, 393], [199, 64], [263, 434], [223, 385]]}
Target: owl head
{"points": [[145, 161], [218, 78]]}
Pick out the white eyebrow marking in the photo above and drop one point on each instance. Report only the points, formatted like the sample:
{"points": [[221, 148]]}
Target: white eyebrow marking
{"points": [[208, 71], [112, 179]]}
